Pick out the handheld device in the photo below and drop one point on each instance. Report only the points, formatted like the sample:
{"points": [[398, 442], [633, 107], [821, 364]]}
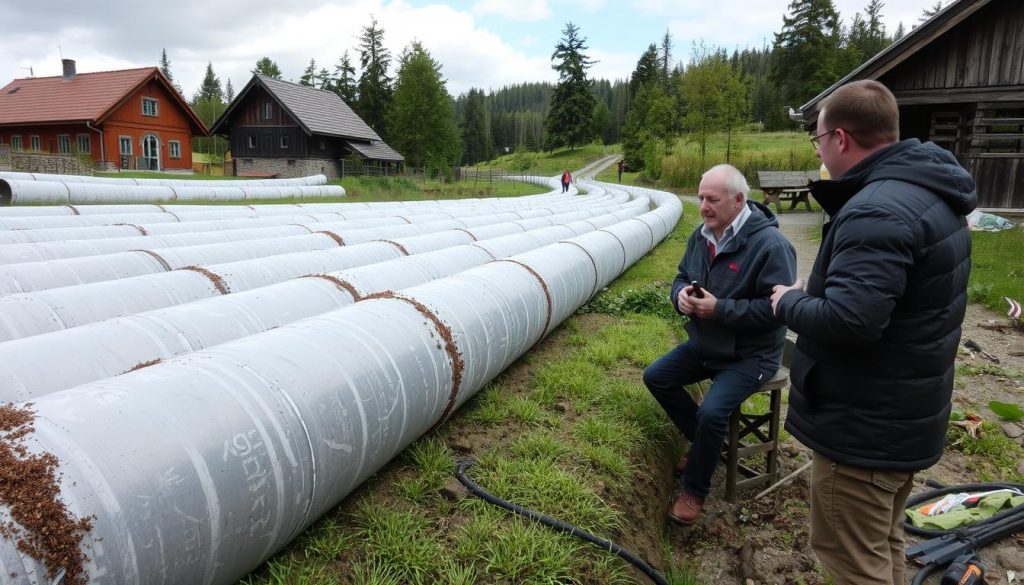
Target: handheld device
{"points": [[697, 290]]}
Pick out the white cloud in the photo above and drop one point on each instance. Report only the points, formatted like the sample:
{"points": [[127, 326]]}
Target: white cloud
{"points": [[521, 10]]}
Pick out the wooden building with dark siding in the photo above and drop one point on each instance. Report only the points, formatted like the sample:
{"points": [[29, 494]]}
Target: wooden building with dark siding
{"points": [[959, 81], [285, 129]]}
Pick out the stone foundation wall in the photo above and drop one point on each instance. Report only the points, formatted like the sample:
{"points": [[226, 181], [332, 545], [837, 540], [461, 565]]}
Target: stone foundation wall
{"points": [[57, 164], [5, 157], [288, 168]]}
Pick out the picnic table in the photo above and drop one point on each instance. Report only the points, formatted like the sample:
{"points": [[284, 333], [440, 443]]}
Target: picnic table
{"points": [[789, 186]]}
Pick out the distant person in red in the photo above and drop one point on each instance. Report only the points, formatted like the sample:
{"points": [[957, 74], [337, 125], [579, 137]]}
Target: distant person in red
{"points": [[566, 179], [622, 167]]}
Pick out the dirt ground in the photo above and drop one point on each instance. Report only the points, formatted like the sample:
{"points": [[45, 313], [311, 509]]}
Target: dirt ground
{"points": [[766, 541]]}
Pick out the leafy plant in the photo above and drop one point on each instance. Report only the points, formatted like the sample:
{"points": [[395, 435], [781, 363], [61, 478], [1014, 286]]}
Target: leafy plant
{"points": [[1007, 411]]}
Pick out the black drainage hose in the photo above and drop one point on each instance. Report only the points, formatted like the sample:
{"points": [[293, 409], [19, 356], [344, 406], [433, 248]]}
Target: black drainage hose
{"points": [[624, 554]]}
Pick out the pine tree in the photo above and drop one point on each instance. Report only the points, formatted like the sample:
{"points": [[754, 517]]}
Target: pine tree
{"points": [[422, 121], [647, 70], [165, 68], [265, 66], [210, 88], [374, 84], [309, 74], [930, 12], [806, 51], [900, 31], [476, 142], [345, 79], [569, 122], [666, 56], [229, 92]]}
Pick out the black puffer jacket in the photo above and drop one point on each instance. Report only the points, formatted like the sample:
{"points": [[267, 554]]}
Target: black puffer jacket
{"points": [[879, 323]]}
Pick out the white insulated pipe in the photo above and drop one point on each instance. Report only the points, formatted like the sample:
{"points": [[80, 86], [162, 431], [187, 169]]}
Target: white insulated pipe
{"points": [[238, 448], [18, 192], [50, 177], [33, 313]]}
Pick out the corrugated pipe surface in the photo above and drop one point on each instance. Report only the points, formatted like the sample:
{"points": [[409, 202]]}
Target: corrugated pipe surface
{"points": [[198, 468]]}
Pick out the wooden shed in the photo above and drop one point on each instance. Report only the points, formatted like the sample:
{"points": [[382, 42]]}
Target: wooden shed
{"points": [[285, 129], [959, 81]]}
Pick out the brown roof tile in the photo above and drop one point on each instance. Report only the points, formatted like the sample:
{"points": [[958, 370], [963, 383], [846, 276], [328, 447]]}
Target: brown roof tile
{"points": [[87, 96]]}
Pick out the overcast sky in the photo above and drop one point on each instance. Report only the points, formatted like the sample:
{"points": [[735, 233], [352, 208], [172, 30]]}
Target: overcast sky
{"points": [[484, 43]]}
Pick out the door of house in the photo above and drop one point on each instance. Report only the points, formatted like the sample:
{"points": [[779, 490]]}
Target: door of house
{"points": [[150, 152]]}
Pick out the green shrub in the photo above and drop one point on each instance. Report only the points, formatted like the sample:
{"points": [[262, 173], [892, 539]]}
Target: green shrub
{"points": [[651, 299]]}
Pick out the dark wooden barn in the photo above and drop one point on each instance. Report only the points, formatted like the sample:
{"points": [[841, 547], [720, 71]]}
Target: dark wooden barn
{"points": [[285, 129], [959, 81]]}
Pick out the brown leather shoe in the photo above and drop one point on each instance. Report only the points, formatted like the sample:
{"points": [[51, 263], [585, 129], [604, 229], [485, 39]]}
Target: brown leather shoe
{"points": [[681, 464], [686, 509]]}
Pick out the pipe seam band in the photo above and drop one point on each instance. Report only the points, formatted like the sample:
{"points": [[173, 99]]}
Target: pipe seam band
{"points": [[449, 346], [217, 281], [547, 295]]}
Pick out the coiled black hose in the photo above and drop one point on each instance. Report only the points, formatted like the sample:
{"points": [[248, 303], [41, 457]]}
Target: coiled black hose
{"points": [[624, 554], [945, 545]]}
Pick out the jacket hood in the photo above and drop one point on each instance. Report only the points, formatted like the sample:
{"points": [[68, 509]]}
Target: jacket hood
{"points": [[925, 164]]}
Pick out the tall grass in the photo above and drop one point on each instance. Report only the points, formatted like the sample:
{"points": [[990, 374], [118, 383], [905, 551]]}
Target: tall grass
{"points": [[996, 270], [751, 152]]}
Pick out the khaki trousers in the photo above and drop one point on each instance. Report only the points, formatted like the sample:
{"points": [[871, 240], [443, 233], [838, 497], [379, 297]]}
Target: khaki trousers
{"points": [[857, 521]]}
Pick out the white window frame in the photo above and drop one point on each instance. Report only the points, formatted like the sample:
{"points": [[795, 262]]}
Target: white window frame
{"points": [[16, 144], [35, 143], [268, 110], [152, 104], [64, 143], [174, 149], [123, 141], [284, 142], [84, 144], [251, 142]]}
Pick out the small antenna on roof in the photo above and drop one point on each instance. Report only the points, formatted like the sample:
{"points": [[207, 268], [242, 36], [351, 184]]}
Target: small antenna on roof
{"points": [[31, 73]]}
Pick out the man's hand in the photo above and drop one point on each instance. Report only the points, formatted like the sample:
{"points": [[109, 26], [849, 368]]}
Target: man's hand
{"points": [[778, 290], [691, 306]]}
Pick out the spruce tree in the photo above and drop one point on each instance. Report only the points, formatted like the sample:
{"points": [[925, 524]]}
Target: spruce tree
{"points": [[309, 74], [374, 84], [475, 136], [569, 121], [422, 121], [265, 66], [806, 51], [229, 92], [647, 70], [345, 79]]}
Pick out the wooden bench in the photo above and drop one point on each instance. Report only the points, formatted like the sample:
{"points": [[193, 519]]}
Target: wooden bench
{"points": [[789, 186]]}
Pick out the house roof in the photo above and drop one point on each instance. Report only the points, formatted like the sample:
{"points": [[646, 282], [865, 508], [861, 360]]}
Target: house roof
{"points": [[896, 53], [317, 111], [375, 149], [86, 97]]}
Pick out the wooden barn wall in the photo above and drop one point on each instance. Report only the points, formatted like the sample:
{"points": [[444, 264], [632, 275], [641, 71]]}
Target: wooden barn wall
{"points": [[1000, 181], [984, 51]]}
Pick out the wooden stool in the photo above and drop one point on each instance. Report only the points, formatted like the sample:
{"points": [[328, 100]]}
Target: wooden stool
{"points": [[751, 427]]}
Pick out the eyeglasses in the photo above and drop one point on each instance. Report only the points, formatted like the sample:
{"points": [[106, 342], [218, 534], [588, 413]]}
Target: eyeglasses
{"points": [[816, 140]]}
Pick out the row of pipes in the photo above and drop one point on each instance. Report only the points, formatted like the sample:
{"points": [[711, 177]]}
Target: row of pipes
{"points": [[39, 188], [203, 430]]}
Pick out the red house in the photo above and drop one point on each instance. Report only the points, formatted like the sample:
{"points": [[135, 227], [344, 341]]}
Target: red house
{"points": [[131, 119]]}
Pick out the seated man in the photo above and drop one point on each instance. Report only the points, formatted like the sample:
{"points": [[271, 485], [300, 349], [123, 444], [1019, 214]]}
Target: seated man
{"points": [[735, 258]]}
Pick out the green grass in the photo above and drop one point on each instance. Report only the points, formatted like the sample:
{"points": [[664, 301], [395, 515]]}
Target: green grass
{"points": [[996, 456], [550, 164], [996, 269], [757, 151]]}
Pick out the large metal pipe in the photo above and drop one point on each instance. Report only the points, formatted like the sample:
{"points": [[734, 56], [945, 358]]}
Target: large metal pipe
{"points": [[237, 448], [121, 344]]}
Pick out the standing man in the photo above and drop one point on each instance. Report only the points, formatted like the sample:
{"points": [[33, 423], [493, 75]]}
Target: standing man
{"points": [[734, 340], [879, 326], [622, 167]]}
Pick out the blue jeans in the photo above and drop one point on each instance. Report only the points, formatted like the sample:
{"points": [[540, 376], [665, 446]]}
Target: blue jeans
{"points": [[705, 424]]}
